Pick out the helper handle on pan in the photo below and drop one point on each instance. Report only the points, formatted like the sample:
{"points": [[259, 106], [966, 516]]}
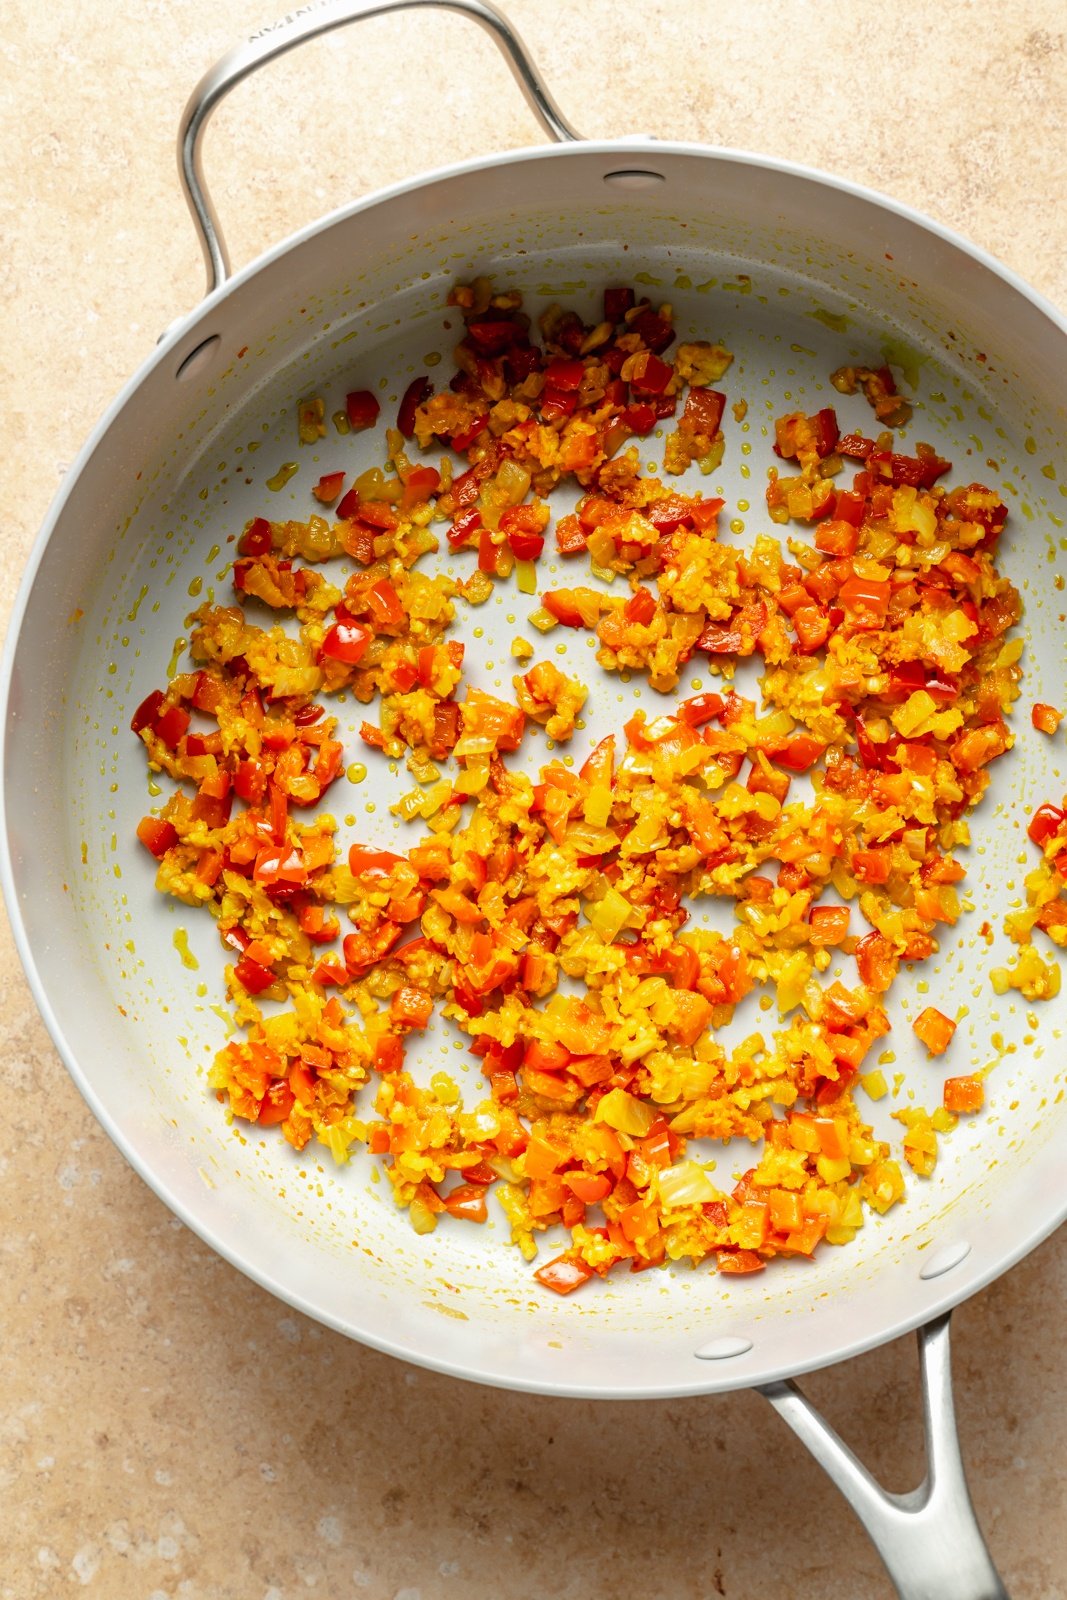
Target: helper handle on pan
{"points": [[308, 22], [929, 1539]]}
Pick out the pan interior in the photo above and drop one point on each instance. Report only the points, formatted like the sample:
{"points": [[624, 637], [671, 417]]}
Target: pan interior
{"points": [[132, 984]]}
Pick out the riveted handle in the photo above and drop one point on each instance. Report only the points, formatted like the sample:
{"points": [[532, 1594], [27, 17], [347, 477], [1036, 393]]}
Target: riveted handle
{"points": [[309, 22], [929, 1538]]}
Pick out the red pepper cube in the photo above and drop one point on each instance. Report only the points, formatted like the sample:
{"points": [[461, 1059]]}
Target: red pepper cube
{"points": [[147, 711], [963, 1094], [156, 835], [362, 409], [1046, 821], [418, 390], [557, 403], [251, 975], [345, 641], [171, 724], [1046, 719], [617, 302], [654, 331], [934, 1029], [328, 487], [256, 539], [565, 375], [651, 376], [703, 411]]}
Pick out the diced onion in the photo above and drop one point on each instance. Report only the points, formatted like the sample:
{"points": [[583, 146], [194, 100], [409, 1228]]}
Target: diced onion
{"points": [[686, 1184]]}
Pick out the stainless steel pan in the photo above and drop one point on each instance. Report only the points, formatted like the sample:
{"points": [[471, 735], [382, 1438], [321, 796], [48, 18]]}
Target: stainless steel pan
{"points": [[797, 272]]}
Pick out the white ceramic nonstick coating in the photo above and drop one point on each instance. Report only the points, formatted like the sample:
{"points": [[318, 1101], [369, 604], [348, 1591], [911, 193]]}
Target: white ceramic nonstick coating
{"points": [[796, 275]]}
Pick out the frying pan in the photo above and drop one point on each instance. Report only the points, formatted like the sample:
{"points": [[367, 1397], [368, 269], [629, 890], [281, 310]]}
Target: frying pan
{"points": [[796, 273]]}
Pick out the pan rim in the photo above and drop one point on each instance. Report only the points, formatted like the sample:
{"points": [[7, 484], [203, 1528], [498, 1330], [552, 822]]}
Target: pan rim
{"points": [[708, 1377]]}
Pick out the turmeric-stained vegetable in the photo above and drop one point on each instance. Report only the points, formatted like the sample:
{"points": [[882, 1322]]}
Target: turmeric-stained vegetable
{"points": [[550, 918]]}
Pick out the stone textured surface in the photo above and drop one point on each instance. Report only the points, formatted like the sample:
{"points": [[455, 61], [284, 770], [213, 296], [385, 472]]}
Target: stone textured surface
{"points": [[166, 1429]]}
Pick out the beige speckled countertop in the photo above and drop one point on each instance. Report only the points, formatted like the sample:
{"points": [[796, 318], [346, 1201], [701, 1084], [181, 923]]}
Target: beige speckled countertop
{"points": [[166, 1428]]}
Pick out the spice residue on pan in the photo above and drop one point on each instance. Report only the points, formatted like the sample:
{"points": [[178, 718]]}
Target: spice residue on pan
{"points": [[546, 916]]}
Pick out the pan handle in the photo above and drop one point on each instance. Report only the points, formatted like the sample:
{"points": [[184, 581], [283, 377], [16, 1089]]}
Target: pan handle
{"points": [[308, 22], [929, 1538]]}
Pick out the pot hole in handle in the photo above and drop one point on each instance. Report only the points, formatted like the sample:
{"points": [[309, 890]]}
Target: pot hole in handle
{"points": [[313, 21], [929, 1538]]}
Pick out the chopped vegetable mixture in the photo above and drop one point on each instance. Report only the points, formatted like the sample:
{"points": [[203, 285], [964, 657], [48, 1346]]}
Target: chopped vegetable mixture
{"points": [[547, 918]]}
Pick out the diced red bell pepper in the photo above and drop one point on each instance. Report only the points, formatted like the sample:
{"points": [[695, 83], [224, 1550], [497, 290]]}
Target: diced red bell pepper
{"points": [[521, 360], [704, 514], [378, 514], [250, 780], [873, 866], [651, 376], [837, 537], [487, 551], [827, 431], [963, 1094], [328, 488], [492, 333], [920, 472], [654, 331], [252, 975], [641, 607], [703, 411], [867, 601], [876, 961], [617, 302], [466, 525], [849, 507], [208, 693], [934, 1029], [365, 862], [412, 1007], [812, 628], [701, 708], [421, 483], [564, 1274], [384, 603], [320, 928], [147, 711], [156, 835], [279, 864], [566, 375], [590, 1187], [1046, 719], [466, 436], [523, 527], [348, 508], [739, 636], [798, 753], [276, 1106], [362, 409], [557, 403], [467, 1202], [828, 924], [666, 515], [526, 546], [1046, 821], [418, 390], [345, 641], [736, 1263], [171, 724], [560, 603], [256, 539], [638, 419]]}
